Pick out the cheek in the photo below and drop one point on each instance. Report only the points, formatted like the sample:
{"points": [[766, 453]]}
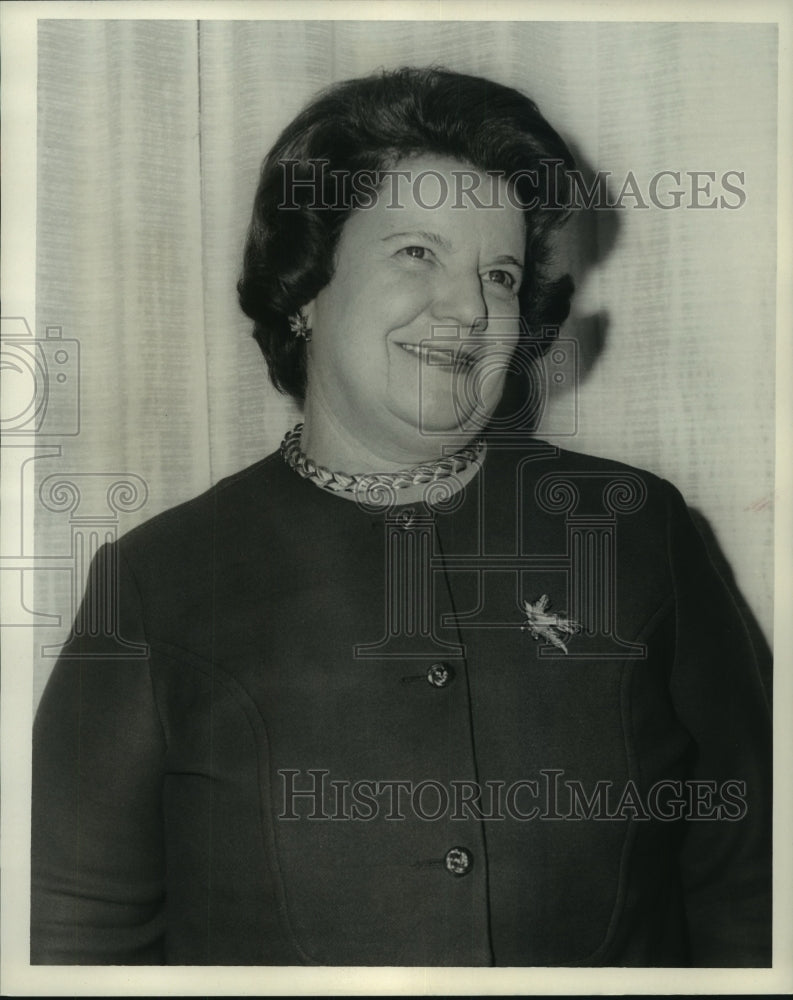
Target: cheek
{"points": [[493, 368], [489, 383], [504, 308], [357, 313], [501, 341]]}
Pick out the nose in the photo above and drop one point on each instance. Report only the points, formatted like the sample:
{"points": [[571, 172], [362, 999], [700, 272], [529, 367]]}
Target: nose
{"points": [[459, 301]]}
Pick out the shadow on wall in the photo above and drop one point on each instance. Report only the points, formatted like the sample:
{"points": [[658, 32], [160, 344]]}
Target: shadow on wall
{"points": [[588, 237]]}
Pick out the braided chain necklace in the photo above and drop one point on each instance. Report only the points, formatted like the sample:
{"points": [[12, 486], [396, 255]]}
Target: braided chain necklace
{"points": [[341, 482]]}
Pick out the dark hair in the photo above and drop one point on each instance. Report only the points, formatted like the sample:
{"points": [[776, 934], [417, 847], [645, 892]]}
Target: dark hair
{"points": [[365, 126]]}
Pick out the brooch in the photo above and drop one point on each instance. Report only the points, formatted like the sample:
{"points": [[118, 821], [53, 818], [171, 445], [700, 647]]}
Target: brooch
{"points": [[546, 626]]}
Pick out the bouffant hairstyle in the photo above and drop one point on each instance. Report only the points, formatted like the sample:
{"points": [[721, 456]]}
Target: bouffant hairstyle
{"points": [[361, 128]]}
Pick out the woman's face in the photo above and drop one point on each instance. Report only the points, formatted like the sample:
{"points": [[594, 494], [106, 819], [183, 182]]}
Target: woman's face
{"points": [[412, 336]]}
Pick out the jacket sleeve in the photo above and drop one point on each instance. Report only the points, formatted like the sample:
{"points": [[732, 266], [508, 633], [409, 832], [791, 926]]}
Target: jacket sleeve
{"points": [[97, 867], [719, 697]]}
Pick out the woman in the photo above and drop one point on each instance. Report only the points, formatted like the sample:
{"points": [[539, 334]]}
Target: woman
{"points": [[334, 740]]}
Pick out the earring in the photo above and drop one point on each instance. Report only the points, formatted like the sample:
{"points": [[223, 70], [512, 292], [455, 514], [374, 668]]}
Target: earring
{"points": [[298, 324]]}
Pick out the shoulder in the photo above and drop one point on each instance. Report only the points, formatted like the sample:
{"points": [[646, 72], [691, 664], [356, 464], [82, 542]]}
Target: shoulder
{"points": [[228, 511], [590, 497], [564, 459], [550, 471]]}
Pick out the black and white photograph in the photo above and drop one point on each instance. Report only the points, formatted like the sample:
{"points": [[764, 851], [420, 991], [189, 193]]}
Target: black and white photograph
{"points": [[396, 459]]}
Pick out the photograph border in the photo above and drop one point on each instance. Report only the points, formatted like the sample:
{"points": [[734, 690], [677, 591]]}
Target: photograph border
{"points": [[18, 20]]}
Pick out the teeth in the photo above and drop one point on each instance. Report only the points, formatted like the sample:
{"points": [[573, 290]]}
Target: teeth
{"points": [[437, 355]]}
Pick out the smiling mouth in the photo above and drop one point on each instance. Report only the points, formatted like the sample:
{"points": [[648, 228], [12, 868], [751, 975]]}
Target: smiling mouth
{"points": [[439, 357]]}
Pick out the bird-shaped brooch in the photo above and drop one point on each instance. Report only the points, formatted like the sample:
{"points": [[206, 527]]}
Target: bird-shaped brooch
{"points": [[542, 625]]}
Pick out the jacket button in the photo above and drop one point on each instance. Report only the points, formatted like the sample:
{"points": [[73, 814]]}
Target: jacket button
{"points": [[459, 861], [440, 674]]}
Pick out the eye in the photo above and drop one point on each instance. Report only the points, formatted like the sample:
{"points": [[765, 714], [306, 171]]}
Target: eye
{"points": [[503, 278], [416, 252]]}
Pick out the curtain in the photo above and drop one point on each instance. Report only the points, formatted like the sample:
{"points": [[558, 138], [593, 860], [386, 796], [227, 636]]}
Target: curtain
{"points": [[150, 137]]}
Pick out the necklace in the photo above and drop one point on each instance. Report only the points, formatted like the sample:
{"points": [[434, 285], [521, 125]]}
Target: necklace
{"points": [[341, 482]]}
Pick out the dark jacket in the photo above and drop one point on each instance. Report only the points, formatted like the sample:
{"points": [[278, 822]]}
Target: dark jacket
{"points": [[470, 796]]}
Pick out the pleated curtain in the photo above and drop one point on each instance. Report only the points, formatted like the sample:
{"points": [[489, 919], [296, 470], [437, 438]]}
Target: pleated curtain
{"points": [[151, 134]]}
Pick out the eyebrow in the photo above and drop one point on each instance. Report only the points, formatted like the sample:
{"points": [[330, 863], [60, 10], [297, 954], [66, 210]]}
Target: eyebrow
{"points": [[422, 234], [507, 259], [440, 241]]}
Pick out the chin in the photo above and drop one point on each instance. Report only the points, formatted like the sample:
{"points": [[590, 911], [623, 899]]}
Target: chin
{"points": [[441, 420]]}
